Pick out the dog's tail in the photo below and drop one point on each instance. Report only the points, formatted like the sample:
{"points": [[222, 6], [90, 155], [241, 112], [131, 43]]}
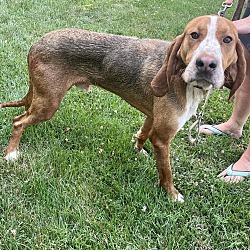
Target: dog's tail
{"points": [[26, 101], [14, 104]]}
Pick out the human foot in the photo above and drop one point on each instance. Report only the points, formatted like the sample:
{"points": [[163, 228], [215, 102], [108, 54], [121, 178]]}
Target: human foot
{"points": [[221, 129], [235, 173]]}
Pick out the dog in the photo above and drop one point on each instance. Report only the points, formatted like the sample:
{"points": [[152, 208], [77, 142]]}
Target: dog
{"points": [[164, 80]]}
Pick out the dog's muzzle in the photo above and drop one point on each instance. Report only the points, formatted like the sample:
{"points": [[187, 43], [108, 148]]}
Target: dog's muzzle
{"points": [[204, 72]]}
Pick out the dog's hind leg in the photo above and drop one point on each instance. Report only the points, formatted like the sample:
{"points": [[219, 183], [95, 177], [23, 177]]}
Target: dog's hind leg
{"points": [[29, 97], [42, 108], [142, 135]]}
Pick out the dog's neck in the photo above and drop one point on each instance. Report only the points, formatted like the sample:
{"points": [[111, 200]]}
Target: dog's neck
{"points": [[194, 96]]}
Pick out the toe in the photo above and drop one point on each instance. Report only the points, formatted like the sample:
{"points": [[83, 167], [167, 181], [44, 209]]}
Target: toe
{"points": [[222, 174], [233, 179], [205, 131]]}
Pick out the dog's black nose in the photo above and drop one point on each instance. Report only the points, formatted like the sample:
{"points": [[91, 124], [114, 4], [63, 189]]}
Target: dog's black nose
{"points": [[206, 64]]}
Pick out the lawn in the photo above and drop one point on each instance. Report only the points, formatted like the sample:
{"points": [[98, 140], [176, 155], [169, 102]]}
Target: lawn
{"points": [[78, 183]]}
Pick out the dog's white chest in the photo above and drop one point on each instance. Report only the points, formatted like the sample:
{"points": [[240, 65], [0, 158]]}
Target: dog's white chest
{"points": [[193, 98]]}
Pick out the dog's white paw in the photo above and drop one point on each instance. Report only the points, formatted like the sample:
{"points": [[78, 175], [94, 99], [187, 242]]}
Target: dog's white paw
{"points": [[144, 152], [179, 198], [12, 156]]}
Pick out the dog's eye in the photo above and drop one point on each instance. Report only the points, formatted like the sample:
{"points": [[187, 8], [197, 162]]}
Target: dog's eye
{"points": [[227, 39], [194, 35]]}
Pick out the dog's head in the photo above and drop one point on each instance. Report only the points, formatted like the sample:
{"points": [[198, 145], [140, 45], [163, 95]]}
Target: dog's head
{"points": [[208, 54]]}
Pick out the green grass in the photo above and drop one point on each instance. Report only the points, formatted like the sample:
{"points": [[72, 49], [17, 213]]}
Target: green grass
{"points": [[78, 183]]}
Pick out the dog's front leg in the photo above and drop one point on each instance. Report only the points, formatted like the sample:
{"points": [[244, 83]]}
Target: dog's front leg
{"points": [[142, 135], [161, 144]]}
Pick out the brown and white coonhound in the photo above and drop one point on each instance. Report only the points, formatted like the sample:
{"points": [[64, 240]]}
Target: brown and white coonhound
{"points": [[164, 80]]}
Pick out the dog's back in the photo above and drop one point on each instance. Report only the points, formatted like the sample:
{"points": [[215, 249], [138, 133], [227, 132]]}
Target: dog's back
{"points": [[115, 63]]}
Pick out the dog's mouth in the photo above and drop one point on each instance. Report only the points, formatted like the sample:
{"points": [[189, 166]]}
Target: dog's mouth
{"points": [[198, 80], [202, 84], [202, 80]]}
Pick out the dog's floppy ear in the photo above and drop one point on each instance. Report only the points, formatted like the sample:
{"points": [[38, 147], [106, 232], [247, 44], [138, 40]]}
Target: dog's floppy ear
{"points": [[170, 67], [235, 73]]}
